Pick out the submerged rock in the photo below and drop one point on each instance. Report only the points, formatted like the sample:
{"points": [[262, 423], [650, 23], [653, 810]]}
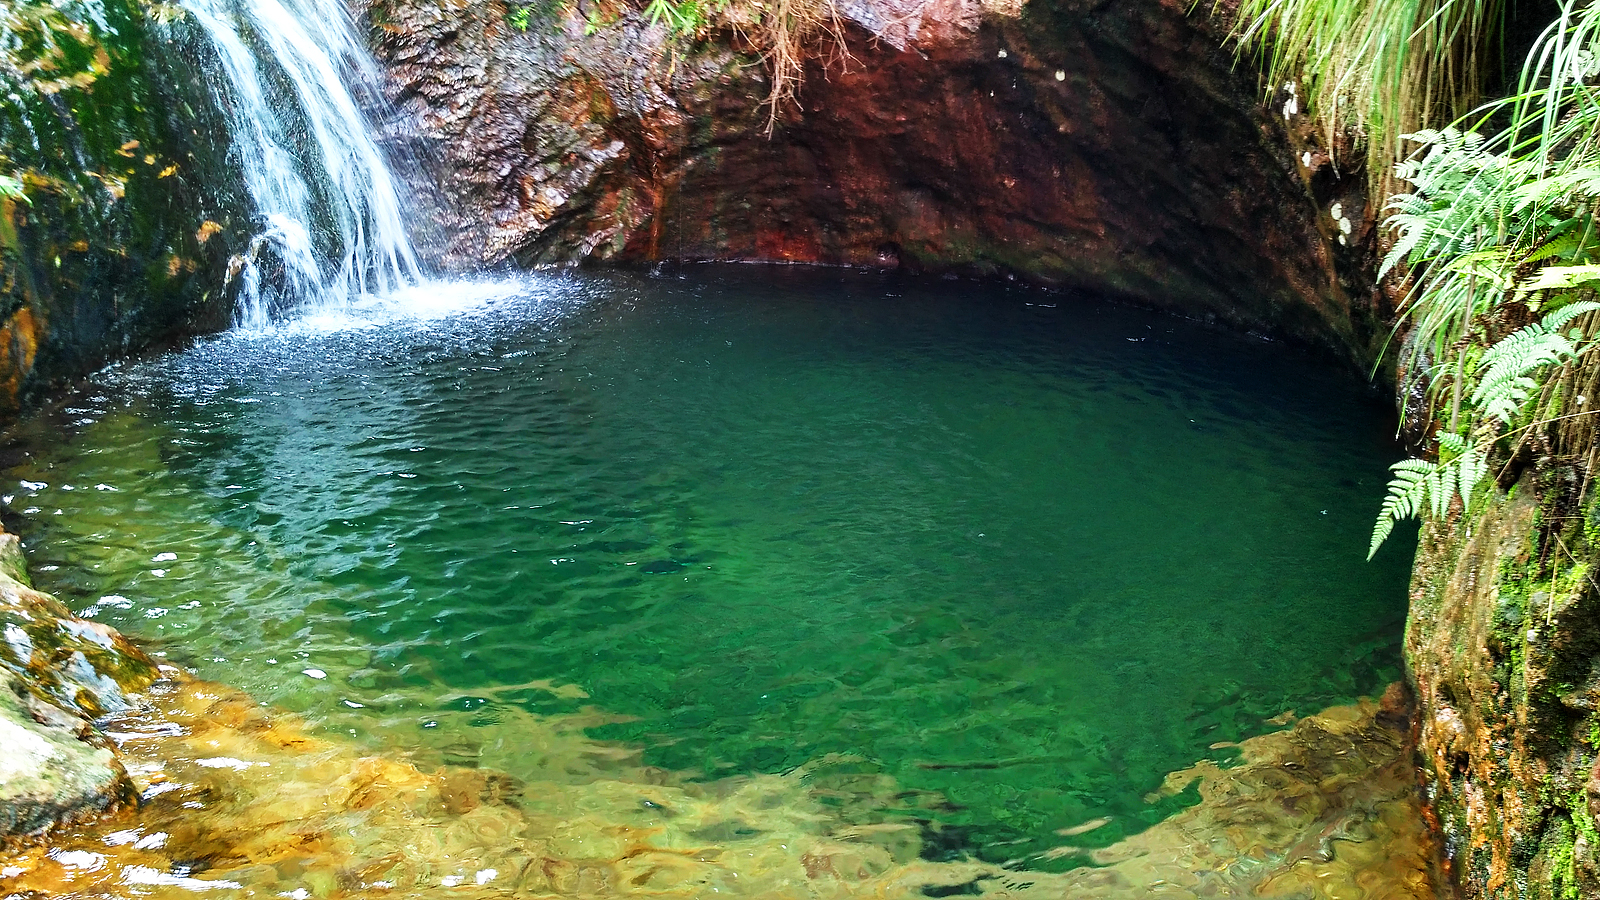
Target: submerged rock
{"points": [[223, 794], [236, 797]]}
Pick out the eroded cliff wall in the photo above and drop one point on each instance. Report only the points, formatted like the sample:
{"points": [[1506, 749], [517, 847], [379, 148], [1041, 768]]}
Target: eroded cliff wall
{"points": [[1112, 147], [1503, 646]]}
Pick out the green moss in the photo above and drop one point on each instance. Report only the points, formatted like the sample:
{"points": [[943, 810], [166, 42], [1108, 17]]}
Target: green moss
{"points": [[1578, 805], [522, 16], [1561, 857], [98, 132]]}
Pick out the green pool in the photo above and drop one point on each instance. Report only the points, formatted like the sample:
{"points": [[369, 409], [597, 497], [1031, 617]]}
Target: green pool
{"points": [[1016, 554]]}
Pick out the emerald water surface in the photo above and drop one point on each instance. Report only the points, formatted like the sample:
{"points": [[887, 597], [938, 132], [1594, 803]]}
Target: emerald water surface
{"points": [[1020, 554]]}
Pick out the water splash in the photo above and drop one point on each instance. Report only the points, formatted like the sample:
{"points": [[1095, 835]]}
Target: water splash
{"points": [[331, 211]]}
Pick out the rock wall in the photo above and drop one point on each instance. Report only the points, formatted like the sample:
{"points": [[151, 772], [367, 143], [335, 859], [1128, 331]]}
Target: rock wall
{"points": [[128, 211], [1503, 645], [1115, 148], [1107, 147]]}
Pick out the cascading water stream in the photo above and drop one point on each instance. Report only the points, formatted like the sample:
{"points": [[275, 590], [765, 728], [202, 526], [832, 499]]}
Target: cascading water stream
{"points": [[330, 209]]}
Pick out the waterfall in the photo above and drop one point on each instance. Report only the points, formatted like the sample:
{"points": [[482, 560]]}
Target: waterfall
{"points": [[330, 212]]}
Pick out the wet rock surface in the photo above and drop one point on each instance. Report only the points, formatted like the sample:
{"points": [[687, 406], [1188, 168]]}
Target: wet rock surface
{"points": [[122, 233], [58, 675], [46, 773], [1116, 148], [1504, 653]]}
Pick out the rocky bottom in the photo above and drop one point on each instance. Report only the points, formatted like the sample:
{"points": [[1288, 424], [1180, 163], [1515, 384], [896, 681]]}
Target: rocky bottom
{"points": [[239, 801]]}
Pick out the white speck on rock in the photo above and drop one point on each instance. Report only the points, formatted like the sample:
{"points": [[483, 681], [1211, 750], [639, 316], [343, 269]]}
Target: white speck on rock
{"points": [[1061, 75], [20, 643], [1002, 56]]}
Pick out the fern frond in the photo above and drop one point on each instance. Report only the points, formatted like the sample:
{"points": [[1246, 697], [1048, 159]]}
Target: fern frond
{"points": [[1419, 486], [1558, 319], [1504, 380], [1407, 491], [1472, 468]]}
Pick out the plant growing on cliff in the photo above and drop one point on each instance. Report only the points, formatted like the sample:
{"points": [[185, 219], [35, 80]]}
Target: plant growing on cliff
{"points": [[682, 17], [1384, 67], [1419, 485], [784, 32], [1500, 241]]}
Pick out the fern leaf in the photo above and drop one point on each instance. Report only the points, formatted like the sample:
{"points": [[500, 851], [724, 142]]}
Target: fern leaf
{"points": [[1560, 278], [1504, 372], [1473, 467], [1557, 319], [1407, 491], [1441, 488]]}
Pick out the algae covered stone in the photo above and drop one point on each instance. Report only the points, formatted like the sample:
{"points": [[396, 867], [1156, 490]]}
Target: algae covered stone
{"points": [[58, 673], [47, 774]]}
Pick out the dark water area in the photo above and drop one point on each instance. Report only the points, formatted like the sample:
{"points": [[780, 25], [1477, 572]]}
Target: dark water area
{"points": [[1017, 554]]}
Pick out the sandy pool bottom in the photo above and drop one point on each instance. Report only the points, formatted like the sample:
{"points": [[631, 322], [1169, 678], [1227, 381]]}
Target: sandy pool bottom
{"points": [[240, 801]]}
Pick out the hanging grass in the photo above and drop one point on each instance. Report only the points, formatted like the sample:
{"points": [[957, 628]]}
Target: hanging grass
{"points": [[1495, 236], [785, 32], [1499, 239], [1382, 67]]}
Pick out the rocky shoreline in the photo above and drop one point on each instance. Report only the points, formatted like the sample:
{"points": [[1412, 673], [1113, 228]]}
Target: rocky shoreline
{"points": [[63, 675]]}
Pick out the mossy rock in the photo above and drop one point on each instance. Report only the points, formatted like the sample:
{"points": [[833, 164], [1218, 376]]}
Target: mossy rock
{"points": [[47, 774], [129, 209], [58, 674]]}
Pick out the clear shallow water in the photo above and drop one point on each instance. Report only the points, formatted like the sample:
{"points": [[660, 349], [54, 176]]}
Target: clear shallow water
{"points": [[1020, 553]]}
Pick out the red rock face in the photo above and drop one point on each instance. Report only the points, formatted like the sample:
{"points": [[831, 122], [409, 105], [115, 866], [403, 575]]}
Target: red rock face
{"points": [[1109, 147]]}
